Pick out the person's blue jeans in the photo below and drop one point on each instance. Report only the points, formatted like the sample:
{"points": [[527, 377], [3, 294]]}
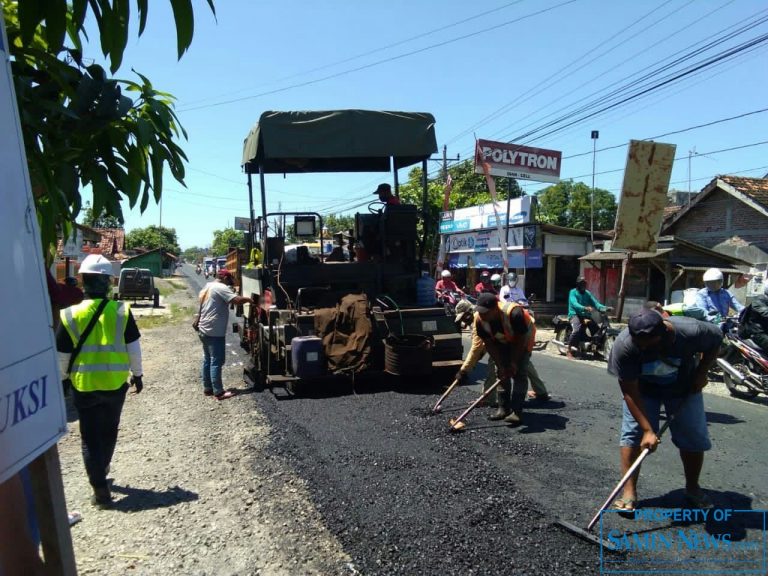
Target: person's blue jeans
{"points": [[214, 354]]}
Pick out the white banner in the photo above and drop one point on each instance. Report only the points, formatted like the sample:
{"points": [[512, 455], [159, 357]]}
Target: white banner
{"points": [[483, 216], [32, 412], [482, 241]]}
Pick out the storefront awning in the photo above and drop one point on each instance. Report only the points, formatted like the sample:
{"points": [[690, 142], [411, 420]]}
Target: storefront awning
{"points": [[621, 255], [492, 259]]}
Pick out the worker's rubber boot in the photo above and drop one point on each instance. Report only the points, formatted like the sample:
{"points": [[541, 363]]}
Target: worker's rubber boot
{"points": [[514, 419], [502, 397]]}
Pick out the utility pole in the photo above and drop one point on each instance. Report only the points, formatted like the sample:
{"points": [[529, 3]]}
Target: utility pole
{"points": [[690, 155], [161, 212], [595, 136]]}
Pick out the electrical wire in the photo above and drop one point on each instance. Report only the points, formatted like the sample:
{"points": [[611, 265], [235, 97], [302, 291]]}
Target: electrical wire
{"points": [[369, 52], [379, 62]]}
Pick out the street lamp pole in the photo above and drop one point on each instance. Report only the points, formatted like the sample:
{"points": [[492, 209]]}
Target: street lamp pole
{"points": [[595, 136]]}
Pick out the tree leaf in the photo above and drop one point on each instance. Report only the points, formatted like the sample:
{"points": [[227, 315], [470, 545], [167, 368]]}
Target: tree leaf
{"points": [[31, 14], [55, 23], [185, 24], [143, 8]]}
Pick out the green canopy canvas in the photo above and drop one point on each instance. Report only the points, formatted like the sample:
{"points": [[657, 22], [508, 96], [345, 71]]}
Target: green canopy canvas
{"points": [[338, 141]]}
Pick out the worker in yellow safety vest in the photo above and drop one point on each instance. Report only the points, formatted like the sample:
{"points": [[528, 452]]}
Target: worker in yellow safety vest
{"points": [[98, 344], [507, 332]]}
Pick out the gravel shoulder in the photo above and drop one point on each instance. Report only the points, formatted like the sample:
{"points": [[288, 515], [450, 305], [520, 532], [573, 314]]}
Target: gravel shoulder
{"points": [[196, 489]]}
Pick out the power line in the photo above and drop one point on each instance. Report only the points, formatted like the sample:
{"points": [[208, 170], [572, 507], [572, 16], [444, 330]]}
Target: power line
{"points": [[372, 51], [512, 104], [379, 62]]}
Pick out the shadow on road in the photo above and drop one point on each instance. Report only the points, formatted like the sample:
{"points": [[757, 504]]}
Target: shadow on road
{"points": [[137, 499], [720, 418], [537, 422]]}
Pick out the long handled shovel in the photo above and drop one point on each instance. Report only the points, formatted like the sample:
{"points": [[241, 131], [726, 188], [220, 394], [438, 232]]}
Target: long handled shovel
{"points": [[586, 533], [457, 424], [436, 408]]}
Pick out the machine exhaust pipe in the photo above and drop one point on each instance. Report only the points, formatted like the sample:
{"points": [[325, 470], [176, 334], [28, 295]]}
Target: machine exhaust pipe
{"points": [[559, 343], [732, 372]]}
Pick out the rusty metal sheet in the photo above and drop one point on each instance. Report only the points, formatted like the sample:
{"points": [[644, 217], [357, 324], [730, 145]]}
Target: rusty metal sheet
{"points": [[643, 195]]}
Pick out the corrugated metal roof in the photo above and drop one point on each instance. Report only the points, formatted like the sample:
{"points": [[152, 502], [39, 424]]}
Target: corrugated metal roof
{"points": [[621, 255]]}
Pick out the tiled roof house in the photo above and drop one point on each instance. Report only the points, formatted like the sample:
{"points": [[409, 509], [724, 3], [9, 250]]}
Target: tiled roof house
{"points": [[730, 216]]}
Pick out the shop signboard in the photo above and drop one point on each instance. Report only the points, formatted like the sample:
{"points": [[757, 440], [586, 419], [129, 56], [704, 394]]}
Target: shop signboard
{"points": [[516, 161], [483, 216]]}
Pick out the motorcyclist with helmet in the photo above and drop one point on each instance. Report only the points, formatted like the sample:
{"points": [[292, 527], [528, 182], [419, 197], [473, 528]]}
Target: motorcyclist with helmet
{"points": [[581, 303], [485, 284], [511, 292], [447, 284], [714, 299], [754, 323]]}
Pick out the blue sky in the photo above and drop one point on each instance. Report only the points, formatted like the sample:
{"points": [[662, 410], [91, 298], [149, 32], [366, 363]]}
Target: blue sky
{"points": [[495, 70]]}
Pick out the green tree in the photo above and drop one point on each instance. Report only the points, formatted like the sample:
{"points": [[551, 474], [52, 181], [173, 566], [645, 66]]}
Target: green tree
{"points": [[338, 222], [567, 203], [194, 254], [225, 239], [469, 189], [79, 126], [102, 221], [153, 237]]}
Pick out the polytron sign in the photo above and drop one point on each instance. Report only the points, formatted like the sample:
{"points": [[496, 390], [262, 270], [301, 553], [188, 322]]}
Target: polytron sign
{"points": [[521, 162]]}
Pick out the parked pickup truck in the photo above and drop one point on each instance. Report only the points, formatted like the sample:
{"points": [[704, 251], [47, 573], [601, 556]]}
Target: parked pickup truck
{"points": [[137, 284]]}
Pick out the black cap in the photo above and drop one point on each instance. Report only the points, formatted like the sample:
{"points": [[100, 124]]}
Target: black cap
{"points": [[647, 323], [486, 301], [382, 188]]}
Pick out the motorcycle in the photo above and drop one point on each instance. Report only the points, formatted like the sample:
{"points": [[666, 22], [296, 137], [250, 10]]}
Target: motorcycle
{"points": [[745, 367], [599, 335], [449, 299], [198, 271]]}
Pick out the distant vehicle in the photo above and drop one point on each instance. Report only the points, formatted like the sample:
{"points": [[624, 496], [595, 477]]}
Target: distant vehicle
{"points": [[221, 263], [137, 284], [208, 265]]}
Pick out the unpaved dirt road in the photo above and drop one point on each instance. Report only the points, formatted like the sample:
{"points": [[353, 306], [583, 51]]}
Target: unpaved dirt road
{"points": [[364, 480]]}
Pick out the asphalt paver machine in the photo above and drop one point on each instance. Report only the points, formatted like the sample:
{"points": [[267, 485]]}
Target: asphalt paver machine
{"points": [[367, 310]]}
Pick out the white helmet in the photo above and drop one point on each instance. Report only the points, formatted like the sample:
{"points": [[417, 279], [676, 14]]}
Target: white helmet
{"points": [[496, 279], [96, 264], [445, 274], [713, 275]]}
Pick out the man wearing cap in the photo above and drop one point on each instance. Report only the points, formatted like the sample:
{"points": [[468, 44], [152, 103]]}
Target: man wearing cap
{"points": [[98, 344], [656, 361], [507, 333], [385, 195], [215, 299], [581, 303]]}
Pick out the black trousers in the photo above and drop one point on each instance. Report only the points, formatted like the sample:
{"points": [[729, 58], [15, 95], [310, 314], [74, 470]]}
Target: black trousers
{"points": [[99, 414]]}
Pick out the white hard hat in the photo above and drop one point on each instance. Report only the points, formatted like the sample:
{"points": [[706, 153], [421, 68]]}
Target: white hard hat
{"points": [[445, 274], [96, 264], [713, 275]]}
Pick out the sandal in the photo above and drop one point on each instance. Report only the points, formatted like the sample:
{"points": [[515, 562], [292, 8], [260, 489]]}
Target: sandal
{"points": [[225, 395], [698, 499], [625, 505]]}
